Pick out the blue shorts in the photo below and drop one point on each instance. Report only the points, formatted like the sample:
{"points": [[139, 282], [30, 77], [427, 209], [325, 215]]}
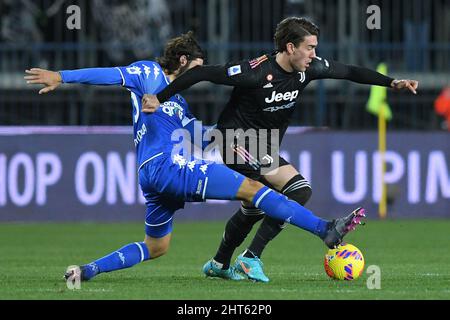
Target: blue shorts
{"points": [[169, 181]]}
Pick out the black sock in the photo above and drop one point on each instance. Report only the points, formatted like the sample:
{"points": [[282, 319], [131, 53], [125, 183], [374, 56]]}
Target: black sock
{"points": [[268, 230], [236, 230]]}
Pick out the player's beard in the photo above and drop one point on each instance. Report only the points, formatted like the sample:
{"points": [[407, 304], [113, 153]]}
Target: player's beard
{"points": [[299, 68]]}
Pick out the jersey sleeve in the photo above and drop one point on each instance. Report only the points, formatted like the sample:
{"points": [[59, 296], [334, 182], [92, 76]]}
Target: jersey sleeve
{"points": [[243, 74], [239, 74], [143, 77], [327, 69], [96, 76], [139, 77]]}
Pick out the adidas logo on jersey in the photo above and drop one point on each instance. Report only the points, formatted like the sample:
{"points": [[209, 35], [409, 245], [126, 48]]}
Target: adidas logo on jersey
{"points": [[269, 85]]}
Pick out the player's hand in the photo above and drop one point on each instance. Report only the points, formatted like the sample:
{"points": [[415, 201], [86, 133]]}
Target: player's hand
{"points": [[50, 79], [411, 85], [150, 103]]}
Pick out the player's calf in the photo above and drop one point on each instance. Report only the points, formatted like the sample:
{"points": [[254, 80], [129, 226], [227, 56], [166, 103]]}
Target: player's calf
{"points": [[125, 257], [280, 207]]}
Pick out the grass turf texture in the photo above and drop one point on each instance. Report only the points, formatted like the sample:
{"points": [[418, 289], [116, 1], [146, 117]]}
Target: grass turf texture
{"points": [[413, 256]]}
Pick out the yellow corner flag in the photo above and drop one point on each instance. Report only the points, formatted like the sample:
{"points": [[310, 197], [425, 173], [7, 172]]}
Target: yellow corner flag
{"points": [[378, 105], [378, 97]]}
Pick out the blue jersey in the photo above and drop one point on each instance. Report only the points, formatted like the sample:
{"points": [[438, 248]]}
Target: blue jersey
{"points": [[151, 132], [167, 180]]}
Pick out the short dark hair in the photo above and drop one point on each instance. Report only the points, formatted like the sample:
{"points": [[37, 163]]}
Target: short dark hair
{"points": [[185, 44], [293, 29]]}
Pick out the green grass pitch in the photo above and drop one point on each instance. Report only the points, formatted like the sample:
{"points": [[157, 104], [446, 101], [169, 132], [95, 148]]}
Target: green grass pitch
{"points": [[413, 256]]}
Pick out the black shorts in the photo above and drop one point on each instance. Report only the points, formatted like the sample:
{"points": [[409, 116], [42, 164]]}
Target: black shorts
{"points": [[250, 172], [250, 166], [252, 159]]}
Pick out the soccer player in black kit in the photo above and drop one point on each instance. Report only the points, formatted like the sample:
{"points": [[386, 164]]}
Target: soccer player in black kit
{"points": [[266, 91]]}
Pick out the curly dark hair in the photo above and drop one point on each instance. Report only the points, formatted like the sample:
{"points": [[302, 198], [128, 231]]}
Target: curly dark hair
{"points": [[293, 29], [186, 45]]}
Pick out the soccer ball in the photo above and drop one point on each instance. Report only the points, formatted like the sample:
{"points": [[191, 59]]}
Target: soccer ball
{"points": [[346, 262]]}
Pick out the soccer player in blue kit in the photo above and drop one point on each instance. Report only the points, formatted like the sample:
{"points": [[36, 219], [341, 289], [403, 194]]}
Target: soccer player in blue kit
{"points": [[169, 179]]}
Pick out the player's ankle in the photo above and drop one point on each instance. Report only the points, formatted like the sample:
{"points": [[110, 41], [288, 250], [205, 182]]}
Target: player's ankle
{"points": [[249, 254], [220, 265]]}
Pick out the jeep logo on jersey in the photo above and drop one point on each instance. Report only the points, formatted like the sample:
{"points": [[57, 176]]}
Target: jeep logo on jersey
{"points": [[277, 97]]}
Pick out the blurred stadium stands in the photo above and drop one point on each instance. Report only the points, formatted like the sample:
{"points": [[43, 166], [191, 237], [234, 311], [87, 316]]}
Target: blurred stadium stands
{"points": [[414, 40]]}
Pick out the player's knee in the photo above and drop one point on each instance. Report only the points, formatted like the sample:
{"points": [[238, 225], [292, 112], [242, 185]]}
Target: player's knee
{"points": [[298, 189], [248, 189], [301, 195]]}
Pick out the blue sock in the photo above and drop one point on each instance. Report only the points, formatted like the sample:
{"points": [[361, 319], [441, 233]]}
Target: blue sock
{"points": [[125, 257], [280, 207]]}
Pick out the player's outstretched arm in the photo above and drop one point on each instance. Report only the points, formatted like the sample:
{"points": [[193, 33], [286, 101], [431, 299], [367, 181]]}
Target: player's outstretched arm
{"points": [[244, 77], [218, 74], [95, 76], [335, 70], [368, 76], [50, 79], [215, 74]]}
